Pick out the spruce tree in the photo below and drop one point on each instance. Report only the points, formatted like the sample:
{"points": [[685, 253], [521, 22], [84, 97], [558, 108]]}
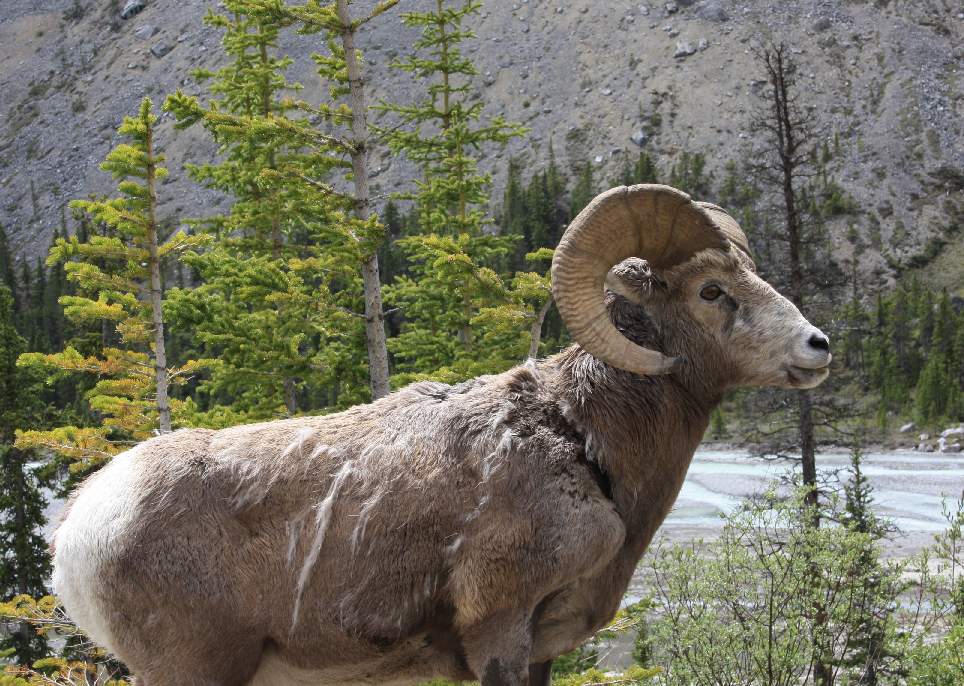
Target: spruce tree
{"points": [[342, 143], [442, 131], [583, 191], [24, 560], [868, 639], [8, 273], [265, 308], [118, 280], [453, 261]]}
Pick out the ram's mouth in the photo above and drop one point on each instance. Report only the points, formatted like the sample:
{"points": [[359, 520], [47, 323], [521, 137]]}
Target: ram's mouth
{"points": [[807, 377]]}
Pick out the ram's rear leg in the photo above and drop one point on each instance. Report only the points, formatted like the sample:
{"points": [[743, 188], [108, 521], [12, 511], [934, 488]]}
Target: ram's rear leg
{"points": [[497, 648]]}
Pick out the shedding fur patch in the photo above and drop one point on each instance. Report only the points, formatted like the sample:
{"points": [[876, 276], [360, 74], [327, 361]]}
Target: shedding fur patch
{"points": [[322, 520], [358, 533]]}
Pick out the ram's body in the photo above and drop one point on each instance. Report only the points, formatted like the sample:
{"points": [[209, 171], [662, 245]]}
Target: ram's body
{"points": [[477, 530], [355, 545]]}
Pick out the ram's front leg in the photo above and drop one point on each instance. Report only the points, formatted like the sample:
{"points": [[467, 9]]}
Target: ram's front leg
{"points": [[497, 648]]}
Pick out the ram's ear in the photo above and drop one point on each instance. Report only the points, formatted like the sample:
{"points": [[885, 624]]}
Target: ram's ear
{"points": [[634, 280]]}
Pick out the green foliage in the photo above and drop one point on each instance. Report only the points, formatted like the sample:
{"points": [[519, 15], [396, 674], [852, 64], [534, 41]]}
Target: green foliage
{"points": [[940, 663], [24, 562], [772, 597], [583, 191], [279, 281], [444, 131], [453, 287], [110, 271], [688, 173], [643, 170], [908, 350]]}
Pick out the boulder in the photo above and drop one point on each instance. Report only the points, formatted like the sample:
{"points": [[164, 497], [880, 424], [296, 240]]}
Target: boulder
{"points": [[145, 31], [702, 45], [131, 8], [712, 11], [955, 432], [910, 426], [684, 49], [952, 448], [671, 8], [822, 24], [161, 49], [924, 437], [639, 137]]}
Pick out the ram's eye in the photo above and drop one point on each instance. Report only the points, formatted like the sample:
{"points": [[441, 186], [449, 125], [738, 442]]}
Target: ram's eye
{"points": [[711, 293]]}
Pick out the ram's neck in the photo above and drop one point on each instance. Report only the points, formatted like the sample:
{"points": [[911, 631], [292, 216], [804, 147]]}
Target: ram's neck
{"points": [[641, 431]]}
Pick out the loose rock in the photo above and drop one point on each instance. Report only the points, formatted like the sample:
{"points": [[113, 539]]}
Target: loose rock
{"points": [[684, 49], [955, 432], [671, 8], [712, 11], [822, 24], [131, 8], [639, 137], [145, 31], [161, 49]]}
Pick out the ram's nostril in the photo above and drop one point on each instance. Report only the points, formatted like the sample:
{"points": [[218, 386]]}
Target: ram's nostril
{"points": [[820, 342]]}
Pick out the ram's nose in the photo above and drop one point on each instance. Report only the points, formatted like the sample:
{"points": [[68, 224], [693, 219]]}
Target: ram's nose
{"points": [[815, 354], [819, 341]]}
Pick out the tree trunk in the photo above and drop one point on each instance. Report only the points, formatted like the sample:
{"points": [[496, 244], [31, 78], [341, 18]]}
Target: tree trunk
{"points": [[374, 317], [789, 139], [788, 143], [535, 331], [157, 314], [290, 395]]}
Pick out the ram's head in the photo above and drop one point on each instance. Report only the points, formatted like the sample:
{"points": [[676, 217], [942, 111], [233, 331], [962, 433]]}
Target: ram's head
{"points": [[687, 270]]}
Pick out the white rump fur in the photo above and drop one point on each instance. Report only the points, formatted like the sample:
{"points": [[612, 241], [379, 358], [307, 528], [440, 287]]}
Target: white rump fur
{"points": [[92, 534]]}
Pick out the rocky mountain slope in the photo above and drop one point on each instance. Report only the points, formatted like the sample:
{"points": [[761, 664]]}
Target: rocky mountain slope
{"points": [[598, 80]]}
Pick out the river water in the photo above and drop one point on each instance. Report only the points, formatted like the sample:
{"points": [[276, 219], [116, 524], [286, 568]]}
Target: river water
{"points": [[908, 488]]}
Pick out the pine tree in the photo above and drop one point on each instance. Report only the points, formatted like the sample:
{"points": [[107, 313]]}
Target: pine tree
{"points": [[932, 393], [452, 259], [345, 113], [451, 196], [868, 637], [583, 191], [24, 561], [118, 280], [265, 308], [643, 170], [8, 272], [688, 174]]}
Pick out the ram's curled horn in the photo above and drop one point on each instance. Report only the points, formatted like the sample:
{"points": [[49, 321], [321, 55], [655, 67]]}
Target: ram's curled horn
{"points": [[656, 223], [729, 227]]}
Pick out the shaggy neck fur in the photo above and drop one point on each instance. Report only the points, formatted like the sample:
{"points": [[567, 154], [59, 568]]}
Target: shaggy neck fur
{"points": [[653, 423]]}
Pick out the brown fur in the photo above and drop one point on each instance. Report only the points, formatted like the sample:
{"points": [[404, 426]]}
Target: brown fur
{"points": [[444, 531]]}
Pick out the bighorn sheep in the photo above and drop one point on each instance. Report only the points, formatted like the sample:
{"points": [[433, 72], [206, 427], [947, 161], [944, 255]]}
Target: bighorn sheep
{"points": [[477, 530]]}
